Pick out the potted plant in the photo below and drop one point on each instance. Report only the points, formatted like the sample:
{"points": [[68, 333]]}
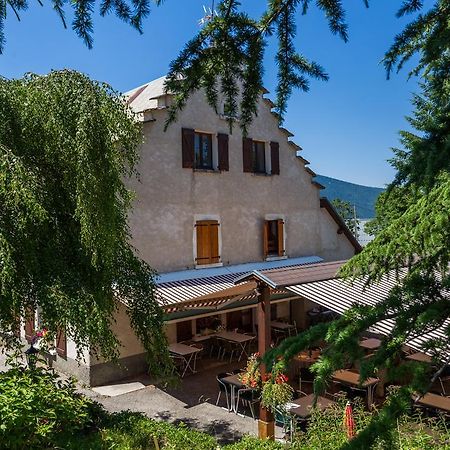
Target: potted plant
{"points": [[276, 390], [251, 376]]}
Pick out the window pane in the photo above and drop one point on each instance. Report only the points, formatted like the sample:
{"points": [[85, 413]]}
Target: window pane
{"points": [[259, 157], [206, 152], [197, 156], [203, 151]]}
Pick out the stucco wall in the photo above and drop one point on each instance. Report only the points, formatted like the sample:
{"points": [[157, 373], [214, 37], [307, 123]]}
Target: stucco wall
{"points": [[335, 246], [130, 344], [170, 197]]}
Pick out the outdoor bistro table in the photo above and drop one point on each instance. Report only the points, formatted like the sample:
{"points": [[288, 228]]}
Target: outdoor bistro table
{"points": [[303, 406], [202, 337], [307, 357], [282, 326], [187, 353], [352, 379], [237, 338], [419, 356], [370, 344], [435, 401], [236, 384]]}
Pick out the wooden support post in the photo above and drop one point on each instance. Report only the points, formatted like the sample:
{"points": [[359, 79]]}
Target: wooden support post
{"points": [[266, 424]]}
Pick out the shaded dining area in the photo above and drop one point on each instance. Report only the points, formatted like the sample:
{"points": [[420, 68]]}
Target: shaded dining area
{"points": [[213, 338]]}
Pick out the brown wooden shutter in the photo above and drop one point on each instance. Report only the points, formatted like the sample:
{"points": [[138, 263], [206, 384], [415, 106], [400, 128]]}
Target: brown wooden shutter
{"points": [[266, 239], [222, 142], [187, 144], [207, 242], [203, 244], [247, 149], [275, 158], [280, 230], [214, 240], [61, 343], [29, 325]]}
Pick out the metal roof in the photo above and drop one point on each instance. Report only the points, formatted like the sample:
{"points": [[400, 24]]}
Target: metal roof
{"points": [[143, 97], [339, 296], [287, 276], [179, 287]]}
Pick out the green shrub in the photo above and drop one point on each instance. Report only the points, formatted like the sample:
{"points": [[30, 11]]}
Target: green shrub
{"points": [[135, 431], [36, 405], [39, 410], [326, 431], [253, 443]]}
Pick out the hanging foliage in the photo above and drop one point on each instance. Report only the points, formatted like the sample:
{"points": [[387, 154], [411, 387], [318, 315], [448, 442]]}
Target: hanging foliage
{"points": [[66, 145]]}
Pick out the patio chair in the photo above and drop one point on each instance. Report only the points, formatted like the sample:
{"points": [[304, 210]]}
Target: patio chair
{"points": [[305, 377], [199, 354], [224, 388], [286, 421], [279, 335], [248, 397], [228, 347], [443, 379], [252, 346], [214, 347], [178, 363]]}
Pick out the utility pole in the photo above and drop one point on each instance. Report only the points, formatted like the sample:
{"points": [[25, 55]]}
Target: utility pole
{"points": [[355, 223]]}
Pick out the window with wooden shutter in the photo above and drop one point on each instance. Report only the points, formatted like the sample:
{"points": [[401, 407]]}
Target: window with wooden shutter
{"points": [[247, 154], [61, 343], [222, 144], [274, 238], [275, 158], [203, 151], [207, 242], [29, 325], [187, 147]]}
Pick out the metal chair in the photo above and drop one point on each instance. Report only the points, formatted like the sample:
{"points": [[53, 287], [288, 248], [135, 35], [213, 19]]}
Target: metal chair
{"points": [[224, 388], [179, 363], [286, 421], [228, 347], [252, 346], [305, 377], [444, 378], [248, 397]]}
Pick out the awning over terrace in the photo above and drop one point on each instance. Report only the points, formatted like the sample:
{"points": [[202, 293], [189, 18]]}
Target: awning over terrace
{"points": [[317, 282], [320, 284], [216, 287], [339, 296]]}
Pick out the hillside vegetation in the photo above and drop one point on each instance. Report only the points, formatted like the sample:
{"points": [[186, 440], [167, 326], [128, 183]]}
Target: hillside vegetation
{"points": [[363, 197]]}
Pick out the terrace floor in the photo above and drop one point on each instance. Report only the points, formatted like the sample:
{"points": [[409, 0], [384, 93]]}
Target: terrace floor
{"points": [[192, 402]]}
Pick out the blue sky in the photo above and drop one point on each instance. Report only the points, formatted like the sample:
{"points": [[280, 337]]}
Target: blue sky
{"points": [[345, 126]]}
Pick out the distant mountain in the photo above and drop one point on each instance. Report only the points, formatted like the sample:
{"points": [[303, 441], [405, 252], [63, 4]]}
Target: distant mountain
{"points": [[363, 197]]}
